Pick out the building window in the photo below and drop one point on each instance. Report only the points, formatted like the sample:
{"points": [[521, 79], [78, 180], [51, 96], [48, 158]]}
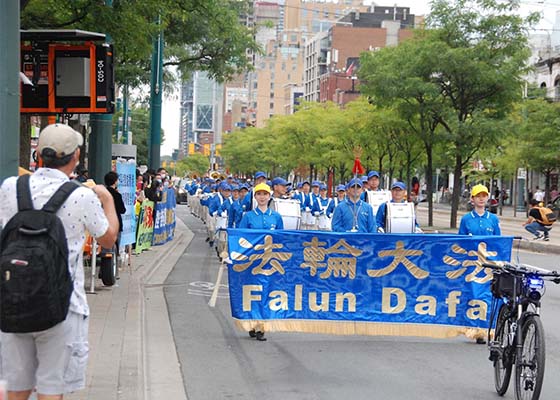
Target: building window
{"points": [[271, 85], [271, 95], [293, 38], [271, 105]]}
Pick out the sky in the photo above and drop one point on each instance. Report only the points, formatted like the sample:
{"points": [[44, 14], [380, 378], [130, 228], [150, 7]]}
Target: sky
{"points": [[170, 107]]}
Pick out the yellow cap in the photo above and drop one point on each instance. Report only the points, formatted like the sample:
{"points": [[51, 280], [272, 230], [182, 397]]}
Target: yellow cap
{"points": [[479, 189], [262, 187]]}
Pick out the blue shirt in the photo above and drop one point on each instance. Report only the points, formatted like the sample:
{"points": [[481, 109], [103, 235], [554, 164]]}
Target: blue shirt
{"points": [[346, 214], [486, 224], [256, 219], [235, 214]]}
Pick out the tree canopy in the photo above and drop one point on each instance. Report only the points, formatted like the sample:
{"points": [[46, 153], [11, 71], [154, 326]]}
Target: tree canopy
{"points": [[199, 35]]}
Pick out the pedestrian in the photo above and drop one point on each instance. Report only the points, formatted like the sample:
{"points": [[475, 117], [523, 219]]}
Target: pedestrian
{"points": [[539, 196], [261, 217], [534, 223], [353, 214], [479, 221], [83, 174], [111, 180], [53, 361]]}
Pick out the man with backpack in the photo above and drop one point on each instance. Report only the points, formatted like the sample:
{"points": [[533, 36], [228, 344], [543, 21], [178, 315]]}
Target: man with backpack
{"points": [[43, 305], [540, 220]]}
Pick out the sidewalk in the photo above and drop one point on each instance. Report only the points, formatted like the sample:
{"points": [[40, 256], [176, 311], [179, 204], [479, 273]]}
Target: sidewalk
{"points": [[510, 224], [132, 351]]}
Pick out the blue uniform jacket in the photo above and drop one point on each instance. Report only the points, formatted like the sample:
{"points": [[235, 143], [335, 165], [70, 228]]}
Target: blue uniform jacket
{"points": [[235, 214], [486, 224], [256, 219], [343, 217]]}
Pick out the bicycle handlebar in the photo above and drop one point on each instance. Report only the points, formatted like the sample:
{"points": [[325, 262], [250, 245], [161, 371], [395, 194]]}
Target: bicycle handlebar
{"points": [[523, 269]]}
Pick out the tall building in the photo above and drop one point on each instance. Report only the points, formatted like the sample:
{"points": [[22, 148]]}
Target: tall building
{"points": [[332, 59], [285, 26], [201, 113]]}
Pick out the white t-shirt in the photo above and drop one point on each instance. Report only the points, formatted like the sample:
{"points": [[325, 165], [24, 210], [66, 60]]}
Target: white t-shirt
{"points": [[539, 195], [82, 211]]}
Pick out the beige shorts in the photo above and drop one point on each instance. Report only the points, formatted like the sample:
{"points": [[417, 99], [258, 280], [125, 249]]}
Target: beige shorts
{"points": [[52, 361]]}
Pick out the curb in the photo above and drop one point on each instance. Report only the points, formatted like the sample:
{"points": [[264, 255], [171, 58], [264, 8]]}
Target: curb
{"points": [[523, 244], [160, 367]]}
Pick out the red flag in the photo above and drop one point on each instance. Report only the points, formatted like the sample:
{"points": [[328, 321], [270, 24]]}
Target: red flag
{"points": [[350, 69], [358, 169]]}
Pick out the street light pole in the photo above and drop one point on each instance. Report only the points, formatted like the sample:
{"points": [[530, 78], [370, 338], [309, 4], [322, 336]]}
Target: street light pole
{"points": [[9, 88], [156, 93], [101, 137]]}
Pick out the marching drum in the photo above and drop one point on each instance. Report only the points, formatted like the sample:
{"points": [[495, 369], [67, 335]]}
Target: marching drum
{"points": [[289, 210], [308, 220], [324, 223], [378, 197], [400, 218], [221, 222]]}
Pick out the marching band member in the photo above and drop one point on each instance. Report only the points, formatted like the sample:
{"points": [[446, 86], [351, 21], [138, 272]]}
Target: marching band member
{"points": [[372, 184], [279, 188], [479, 221], [365, 183], [327, 208], [261, 217], [340, 195], [398, 195], [249, 201], [236, 210], [353, 214]]}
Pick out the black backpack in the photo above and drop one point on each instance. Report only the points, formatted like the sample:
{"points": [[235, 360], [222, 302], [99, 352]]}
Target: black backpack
{"points": [[35, 282]]}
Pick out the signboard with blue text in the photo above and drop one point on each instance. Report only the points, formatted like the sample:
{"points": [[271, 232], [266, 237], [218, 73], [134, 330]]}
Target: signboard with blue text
{"points": [[362, 284], [127, 189]]}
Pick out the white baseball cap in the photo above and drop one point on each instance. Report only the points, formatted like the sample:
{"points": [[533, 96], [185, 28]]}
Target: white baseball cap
{"points": [[60, 138]]}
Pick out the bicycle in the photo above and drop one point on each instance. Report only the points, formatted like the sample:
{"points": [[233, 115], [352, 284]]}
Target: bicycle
{"points": [[517, 290]]}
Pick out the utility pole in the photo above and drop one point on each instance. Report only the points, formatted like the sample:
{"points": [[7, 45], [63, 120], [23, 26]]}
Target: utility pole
{"points": [[156, 92], [101, 138], [9, 88]]}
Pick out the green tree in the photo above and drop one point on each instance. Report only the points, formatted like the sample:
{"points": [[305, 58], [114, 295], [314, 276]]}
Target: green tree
{"points": [[140, 128], [481, 64], [199, 35], [539, 139], [401, 77], [194, 164]]}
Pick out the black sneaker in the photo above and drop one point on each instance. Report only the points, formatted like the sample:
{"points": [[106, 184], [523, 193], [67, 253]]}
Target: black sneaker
{"points": [[546, 239], [480, 341]]}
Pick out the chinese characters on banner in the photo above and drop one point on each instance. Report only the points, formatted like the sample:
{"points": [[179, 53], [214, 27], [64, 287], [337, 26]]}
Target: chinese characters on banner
{"points": [[372, 284]]}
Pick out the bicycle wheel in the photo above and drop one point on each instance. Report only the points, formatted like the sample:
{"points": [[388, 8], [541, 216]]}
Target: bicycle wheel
{"points": [[503, 363], [529, 370]]}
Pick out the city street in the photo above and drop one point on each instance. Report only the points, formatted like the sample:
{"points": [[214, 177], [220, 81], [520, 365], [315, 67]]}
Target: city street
{"points": [[219, 362]]}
